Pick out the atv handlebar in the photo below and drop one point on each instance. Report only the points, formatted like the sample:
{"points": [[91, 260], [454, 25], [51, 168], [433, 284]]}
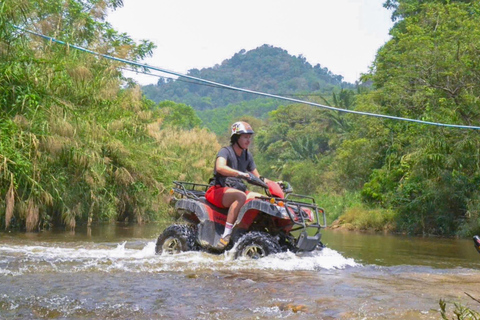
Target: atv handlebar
{"points": [[255, 181]]}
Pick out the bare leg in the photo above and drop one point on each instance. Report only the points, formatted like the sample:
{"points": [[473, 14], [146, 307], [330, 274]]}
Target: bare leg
{"points": [[253, 195], [234, 199]]}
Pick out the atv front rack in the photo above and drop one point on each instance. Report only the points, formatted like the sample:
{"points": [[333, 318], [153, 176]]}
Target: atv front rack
{"points": [[301, 215], [306, 242]]}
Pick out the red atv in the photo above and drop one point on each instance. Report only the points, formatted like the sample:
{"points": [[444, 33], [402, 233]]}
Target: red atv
{"points": [[277, 222]]}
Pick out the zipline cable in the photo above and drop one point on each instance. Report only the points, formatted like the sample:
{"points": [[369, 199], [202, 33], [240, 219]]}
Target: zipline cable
{"points": [[211, 86], [220, 85]]}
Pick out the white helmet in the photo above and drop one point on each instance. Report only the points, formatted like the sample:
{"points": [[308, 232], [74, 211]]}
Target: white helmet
{"points": [[240, 127]]}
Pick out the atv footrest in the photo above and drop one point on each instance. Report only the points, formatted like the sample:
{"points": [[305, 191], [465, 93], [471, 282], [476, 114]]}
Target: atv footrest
{"points": [[308, 243]]}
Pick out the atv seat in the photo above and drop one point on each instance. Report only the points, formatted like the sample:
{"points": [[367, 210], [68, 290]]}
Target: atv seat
{"points": [[223, 211]]}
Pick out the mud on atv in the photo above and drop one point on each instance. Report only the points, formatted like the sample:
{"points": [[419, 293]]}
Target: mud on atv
{"points": [[277, 222]]}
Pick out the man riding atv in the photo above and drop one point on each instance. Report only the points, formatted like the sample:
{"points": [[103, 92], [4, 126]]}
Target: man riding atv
{"points": [[228, 191], [224, 215]]}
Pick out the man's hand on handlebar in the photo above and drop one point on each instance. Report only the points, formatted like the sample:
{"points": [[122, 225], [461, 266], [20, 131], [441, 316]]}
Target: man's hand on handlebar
{"points": [[252, 179], [245, 175], [248, 176]]}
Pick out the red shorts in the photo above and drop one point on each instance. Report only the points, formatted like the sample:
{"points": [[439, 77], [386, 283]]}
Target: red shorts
{"points": [[214, 195]]}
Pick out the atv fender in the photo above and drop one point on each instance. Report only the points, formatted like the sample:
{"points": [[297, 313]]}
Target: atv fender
{"points": [[262, 206], [192, 210], [210, 225]]}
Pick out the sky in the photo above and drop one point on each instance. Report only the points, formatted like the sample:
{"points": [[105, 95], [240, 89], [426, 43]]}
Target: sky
{"points": [[341, 35]]}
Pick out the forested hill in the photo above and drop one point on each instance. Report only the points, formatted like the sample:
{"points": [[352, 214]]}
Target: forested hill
{"points": [[266, 68]]}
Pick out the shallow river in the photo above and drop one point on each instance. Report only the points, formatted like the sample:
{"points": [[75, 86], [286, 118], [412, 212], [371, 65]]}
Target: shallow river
{"points": [[112, 272]]}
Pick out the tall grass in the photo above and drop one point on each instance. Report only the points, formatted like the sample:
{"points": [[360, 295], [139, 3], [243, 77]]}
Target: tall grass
{"points": [[113, 169], [361, 218], [74, 141], [335, 204]]}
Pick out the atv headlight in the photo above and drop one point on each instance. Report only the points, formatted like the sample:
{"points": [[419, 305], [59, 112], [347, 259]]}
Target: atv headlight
{"points": [[283, 212], [307, 213]]}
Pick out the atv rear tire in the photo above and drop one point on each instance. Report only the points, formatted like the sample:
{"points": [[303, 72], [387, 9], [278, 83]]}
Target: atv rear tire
{"points": [[176, 238], [256, 245]]}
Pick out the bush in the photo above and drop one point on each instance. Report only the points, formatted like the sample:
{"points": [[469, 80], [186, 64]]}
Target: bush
{"points": [[335, 204], [368, 219], [461, 312]]}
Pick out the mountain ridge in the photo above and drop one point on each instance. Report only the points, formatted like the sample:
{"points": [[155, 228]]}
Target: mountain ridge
{"points": [[266, 69]]}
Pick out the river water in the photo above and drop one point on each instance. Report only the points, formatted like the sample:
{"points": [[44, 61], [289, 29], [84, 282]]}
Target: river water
{"points": [[112, 272]]}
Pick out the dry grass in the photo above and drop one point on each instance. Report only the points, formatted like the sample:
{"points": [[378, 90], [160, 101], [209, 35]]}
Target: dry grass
{"points": [[117, 148], [116, 125], [132, 99], [199, 164], [145, 115], [186, 155], [70, 214], [54, 144], [123, 177], [10, 204], [153, 129], [157, 185], [94, 132], [196, 140], [31, 213], [80, 73], [99, 10], [110, 90], [22, 122], [81, 160], [62, 128], [46, 199]]}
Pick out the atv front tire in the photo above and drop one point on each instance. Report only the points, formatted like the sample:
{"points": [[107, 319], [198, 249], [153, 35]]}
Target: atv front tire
{"points": [[176, 238], [256, 245]]}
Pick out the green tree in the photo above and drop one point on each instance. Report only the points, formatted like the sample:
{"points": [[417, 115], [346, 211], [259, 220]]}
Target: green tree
{"points": [[298, 143], [266, 69], [219, 120], [429, 70], [178, 115], [78, 141]]}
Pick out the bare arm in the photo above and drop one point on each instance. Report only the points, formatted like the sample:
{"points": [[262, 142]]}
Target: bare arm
{"points": [[224, 170], [256, 174]]}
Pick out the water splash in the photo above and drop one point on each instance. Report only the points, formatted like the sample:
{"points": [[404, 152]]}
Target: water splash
{"points": [[24, 259]]}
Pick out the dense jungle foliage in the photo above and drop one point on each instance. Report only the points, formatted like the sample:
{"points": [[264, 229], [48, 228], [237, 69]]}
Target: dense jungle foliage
{"points": [[429, 70], [390, 174], [79, 143]]}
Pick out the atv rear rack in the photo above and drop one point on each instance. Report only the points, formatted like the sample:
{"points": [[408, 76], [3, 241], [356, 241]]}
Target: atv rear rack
{"points": [[190, 190]]}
